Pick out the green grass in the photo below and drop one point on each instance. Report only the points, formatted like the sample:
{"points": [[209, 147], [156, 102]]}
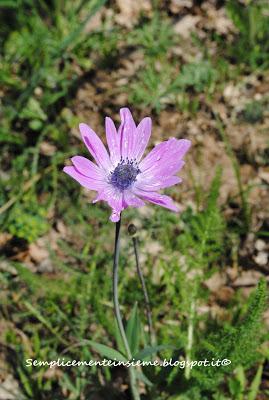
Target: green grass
{"points": [[251, 20]]}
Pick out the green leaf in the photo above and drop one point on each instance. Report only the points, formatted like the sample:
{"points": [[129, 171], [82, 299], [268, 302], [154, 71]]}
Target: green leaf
{"points": [[133, 330], [43, 320], [255, 384], [119, 341], [106, 351], [142, 377], [9, 4], [238, 385], [33, 110], [24, 379], [148, 351], [35, 124]]}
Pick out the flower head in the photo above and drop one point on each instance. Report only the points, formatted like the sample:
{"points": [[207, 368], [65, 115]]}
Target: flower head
{"points": [[122, 178]]}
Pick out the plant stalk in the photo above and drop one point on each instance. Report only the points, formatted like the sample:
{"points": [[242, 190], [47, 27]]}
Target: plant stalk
{"points": [[132, 374], [145, 293]]}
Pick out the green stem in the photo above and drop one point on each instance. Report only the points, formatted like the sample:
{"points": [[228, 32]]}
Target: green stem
{"points": [[132, 376], [145, 293]]}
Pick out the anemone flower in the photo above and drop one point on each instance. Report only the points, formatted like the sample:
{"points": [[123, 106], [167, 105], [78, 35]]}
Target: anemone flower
{"points": [[122, 178]]}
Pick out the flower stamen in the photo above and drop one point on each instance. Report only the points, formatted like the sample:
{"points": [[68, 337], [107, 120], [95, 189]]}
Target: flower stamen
{"points": [[124, 175]]}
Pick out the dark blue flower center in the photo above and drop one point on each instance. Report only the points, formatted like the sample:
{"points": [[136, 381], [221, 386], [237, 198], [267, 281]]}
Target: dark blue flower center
{"points": [[124, 175]]}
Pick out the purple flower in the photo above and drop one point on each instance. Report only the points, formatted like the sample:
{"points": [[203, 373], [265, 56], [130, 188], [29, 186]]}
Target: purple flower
{"points": [[122, 179]]}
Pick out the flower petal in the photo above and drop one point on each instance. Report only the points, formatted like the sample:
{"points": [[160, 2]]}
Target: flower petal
{"points": [[115, 216], [142, 135], [157, 198], [113, 141], [171, 181], [88, 168], [166, 157], [114, 198], [130, 199], [85, 181], [153, 184], [95, 146], [126, 133]]}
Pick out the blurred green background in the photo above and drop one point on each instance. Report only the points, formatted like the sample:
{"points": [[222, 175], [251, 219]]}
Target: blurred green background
{"points": [[200, 69]]}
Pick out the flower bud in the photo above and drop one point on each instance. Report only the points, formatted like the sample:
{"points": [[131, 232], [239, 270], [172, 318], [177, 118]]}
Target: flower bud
{"points": [[132, 229]]}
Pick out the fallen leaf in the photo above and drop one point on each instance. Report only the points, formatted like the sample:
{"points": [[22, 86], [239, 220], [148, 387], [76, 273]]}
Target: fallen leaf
{"points": [[129, 11], [38, 251], [9, 389], [215, 282], [186, 25], [47, 149], [225, 294]]}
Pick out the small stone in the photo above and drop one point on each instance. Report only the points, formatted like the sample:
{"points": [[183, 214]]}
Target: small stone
{"points": [[248, 278], [261, 258], [260, 245], [45, 266]]}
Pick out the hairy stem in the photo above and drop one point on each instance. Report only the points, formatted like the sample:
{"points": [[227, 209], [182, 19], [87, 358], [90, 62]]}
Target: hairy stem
{"points": [[132, 376], [145, 293]]}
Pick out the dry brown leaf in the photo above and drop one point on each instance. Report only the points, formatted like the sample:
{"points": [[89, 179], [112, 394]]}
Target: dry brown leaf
{"points": [[9, 389], [5, 266], [186, 25], [4, 238], [47, 149], [264, 174], [177, 6], [215, 282], [129, 11], [218, 20], [225, 294], [95, 21], [38, 251]]}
